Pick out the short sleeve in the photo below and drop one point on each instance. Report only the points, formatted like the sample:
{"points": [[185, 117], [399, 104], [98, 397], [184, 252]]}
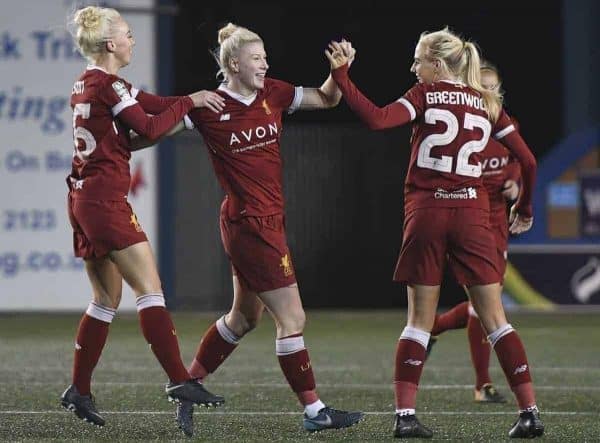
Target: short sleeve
{"points": [[193, 119], [117, 94], [283, 95]]}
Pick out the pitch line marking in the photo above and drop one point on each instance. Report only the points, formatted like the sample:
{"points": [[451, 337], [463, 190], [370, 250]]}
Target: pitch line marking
{"points": [[260, 413]]}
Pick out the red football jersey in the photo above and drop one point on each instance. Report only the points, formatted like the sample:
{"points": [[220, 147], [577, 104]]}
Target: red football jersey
{"points": [[498, 165], [104, 110], [450, 132], [243, 142]]}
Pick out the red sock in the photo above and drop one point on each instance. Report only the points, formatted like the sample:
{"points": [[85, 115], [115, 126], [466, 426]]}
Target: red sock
{"points": [[455, 318], [410, 357], [295, 364], [216, 345], [159, 332], [91, 337], [511, 354], [480, 351]]}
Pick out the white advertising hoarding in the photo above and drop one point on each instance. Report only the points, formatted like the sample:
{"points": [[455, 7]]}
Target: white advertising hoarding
{"points": [[38, 67]]}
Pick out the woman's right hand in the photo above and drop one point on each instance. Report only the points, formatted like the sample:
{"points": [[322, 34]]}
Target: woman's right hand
{"points": [[518, 223], [208, 99]]}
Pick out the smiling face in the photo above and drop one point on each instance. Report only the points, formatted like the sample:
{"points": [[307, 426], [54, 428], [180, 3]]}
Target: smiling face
{"points": [[250, 66], [121, 43], [424, 69]]}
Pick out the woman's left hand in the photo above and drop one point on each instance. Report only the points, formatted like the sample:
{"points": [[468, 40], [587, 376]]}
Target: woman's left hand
{"points": [[336, 55]]}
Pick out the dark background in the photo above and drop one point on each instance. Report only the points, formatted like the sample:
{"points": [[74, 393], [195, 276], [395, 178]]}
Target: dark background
{"points": [[523, 39], [343, 183]]}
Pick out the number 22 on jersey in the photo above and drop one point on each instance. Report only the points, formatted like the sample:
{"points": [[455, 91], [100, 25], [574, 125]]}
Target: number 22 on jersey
{"points": [[445, 162]]}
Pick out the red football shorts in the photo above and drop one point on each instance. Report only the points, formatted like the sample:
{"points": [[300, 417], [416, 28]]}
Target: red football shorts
{"points": [[461, 237], [499, 225], [258, 251], [100, 227]]}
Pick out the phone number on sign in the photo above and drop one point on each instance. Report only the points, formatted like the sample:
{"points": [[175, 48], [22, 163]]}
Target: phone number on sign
{"points": [[28, 220], [12, 263]]}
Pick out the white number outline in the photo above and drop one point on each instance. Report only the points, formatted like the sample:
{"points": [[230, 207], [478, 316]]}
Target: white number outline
{"points": [[82, 110], [444, 163]]}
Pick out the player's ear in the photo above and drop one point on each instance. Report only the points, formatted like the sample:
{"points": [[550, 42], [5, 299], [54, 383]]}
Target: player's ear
{"points": [[234, 65], [110, 46]]}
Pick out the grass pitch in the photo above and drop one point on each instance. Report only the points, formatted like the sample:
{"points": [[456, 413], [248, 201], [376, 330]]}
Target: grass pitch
{"points": [[352, 355]]}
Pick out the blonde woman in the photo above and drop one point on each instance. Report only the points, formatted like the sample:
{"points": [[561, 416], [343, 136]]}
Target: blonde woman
{"points": [[447, 210], [243, 144], [106, 232], [501, 176]]}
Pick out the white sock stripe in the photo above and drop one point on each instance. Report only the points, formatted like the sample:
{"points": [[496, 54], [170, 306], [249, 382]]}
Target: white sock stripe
{"points": [[415, 334], [104, 308], [499, 333], [406, 411], [472, 311], [100, 312], [290, 345], [149, 301], [226, 333]]}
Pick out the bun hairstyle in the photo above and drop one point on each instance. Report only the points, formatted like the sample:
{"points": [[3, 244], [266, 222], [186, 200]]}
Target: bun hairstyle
{"points": [[91, 27], [231, 39], [460, 59]]}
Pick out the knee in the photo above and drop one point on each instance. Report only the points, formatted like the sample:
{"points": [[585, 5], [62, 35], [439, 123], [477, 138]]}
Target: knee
{"points": [[240, 323], [292, 323], [108, 300], [422, 321]]}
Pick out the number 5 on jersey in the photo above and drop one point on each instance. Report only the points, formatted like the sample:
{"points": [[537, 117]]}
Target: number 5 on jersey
{"points": [[81, 134]]}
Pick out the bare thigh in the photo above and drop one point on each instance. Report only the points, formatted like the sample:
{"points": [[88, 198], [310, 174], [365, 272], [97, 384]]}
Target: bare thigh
{"points": [[106, 280], [137, 265]]}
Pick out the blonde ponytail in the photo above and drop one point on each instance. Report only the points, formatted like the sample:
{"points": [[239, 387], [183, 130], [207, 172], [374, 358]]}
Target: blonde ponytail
{"points": [[492, 99], [460, 59]]}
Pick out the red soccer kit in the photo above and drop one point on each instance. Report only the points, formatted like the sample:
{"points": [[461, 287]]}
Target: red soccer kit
{"points": [[498, 165], [243, 144], [105, 108], [446, 203]]}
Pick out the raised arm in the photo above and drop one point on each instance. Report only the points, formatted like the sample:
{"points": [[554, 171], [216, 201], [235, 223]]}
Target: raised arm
{"points": [[328, 94], [394, 114]]}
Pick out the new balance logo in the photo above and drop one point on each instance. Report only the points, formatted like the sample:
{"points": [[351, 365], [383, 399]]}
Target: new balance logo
{"points": [[412, 362], [520, 369], [224, 117]]}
